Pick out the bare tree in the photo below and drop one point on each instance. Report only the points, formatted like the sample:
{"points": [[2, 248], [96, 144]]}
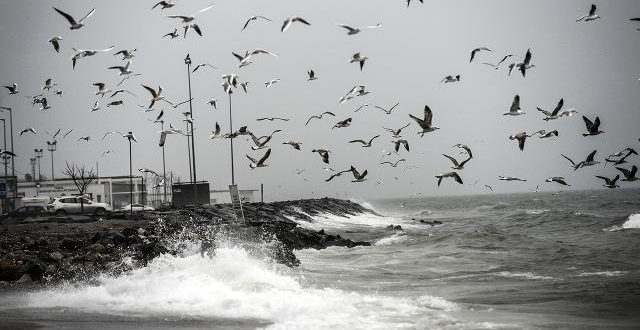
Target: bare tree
{"points": [[82, 178]]}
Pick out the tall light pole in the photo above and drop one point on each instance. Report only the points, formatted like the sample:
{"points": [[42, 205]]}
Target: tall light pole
{"points": [[233, 178], [164, 169], [186, 115], [4, 129], [38, 156], [10, 129], [187, 61], [51, 146], [130, 137]]}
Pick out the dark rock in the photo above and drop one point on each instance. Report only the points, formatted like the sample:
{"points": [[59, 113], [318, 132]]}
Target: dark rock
{"points": [[71, 244]]}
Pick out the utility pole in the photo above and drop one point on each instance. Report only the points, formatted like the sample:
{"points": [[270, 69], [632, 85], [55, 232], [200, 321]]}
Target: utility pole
{"points": [[51, 146], [187, 61]]}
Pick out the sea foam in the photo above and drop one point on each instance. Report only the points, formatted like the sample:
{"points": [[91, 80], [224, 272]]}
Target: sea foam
{"points": [[632, 222]]}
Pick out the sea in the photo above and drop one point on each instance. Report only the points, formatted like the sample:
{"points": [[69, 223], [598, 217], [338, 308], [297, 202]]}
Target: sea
{"points": [[568, 260]]}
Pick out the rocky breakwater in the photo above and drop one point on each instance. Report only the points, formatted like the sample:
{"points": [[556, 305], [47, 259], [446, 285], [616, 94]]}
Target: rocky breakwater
{"points": [[52, 249]]}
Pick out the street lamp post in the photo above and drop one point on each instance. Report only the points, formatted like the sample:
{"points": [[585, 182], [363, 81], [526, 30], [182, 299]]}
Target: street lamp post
{"points": [[38, 156], [130, 137], [51, 146], [186, 114], [10, 129], [164, 169], [233, 178], [4, 129], [187, 61]]}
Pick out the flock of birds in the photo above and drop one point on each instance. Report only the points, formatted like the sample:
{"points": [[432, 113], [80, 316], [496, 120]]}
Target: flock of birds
{"points": [[231, 82]]}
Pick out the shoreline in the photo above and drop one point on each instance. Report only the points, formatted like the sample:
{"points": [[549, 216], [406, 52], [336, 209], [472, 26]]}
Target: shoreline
{"points": [[78, 248]]}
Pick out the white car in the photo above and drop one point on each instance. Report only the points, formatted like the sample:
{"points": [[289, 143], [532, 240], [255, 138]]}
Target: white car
{"points": [[71, 204], [136, 208]]}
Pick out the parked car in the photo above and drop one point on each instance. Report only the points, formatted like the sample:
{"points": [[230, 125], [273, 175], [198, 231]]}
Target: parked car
{"points": [[136, 208], [24, 212], [71, 204]]}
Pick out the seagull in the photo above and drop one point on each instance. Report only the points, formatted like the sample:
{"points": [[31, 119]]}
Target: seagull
{"points": [[358, 58], [628, 150], [146, 170], [629, 175], [173, 34], [388, 112], [216, 132], [394, 164], [521, 137], [194, 26], [107, 134], [45, 105], [488, 187], [272, 119], [244, 85], [361, 107], [324, 154], [458, 166], [398, 142], [568, 112], [48, 84], [13, 89], [557, 179], [553, 114], [524, 66], [589, 161], [160, 115], [126, 54], [29, 129], [473, 52], [213, 103], [58, 92], [164, 133], [622, 160], [462, 146], [592, 127], [204, 65], [74, 25], [55, 41], [409, 2], [85, 138], [396, 132], [253, 18], [352, 30], [192, 17], [591, 16], [364, 143], [343, 123], [269, 83], [290, 20], [425, 123], [509, 178], [609, 183], [515, 107], [121, 91], [101, 90], [259, 163], [259, 142], [295, 145], [358, 177], [124, 70], [155, 96], [119, 102], [80, 53], [319, 116], [311, 74], [337, 174], [450, 79], [8, 153], [164, 4], [453, 175], [544, 134]]}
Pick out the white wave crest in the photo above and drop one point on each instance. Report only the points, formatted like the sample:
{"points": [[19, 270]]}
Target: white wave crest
{"points": [[361, 221], [632, 222], [233, 285], [527, 275], [391, 240]]}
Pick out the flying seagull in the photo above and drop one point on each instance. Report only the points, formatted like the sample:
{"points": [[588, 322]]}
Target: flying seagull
{"points": [[112, 103], [466, 148], [164, 4], [55, 41], [294, 144], [204, 65], [74, 25], [101, 89], [26, 130], [192, 17], [80, 53], [253, 18], [629, 175], [259, 163], [358, 177], [398, 142], [458, 166], [589, 161], [396, 132], [515, 110], [425, 123], [343, 123], [213, 103], [557, 179], [521, 137], [388, 112], [358, 58], [126, 54], [591, 16], [270, 83], [272, 119], [311, 74], [324, 154], [553, 114], [453, 175], [13, 89], [544, 134], [450, 79], [319, 116], [290, 20], [48, 84], [409, 2], [352, 30], [124, 70], [394, 164], [473, 52], [364, 143], [173, 34], [509, 178], [609, 183], [155, 96], [121, 91], [592, 127]]}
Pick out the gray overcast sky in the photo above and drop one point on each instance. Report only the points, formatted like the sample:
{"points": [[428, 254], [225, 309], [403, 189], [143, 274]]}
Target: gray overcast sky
{"points": [[593, 65]]}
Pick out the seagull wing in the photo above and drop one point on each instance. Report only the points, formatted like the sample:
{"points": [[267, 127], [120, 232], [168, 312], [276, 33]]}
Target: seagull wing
{"points": [[428, 115], [418, 120], [69, 18], [453, 160], [285, 25], [247, 23], [203, 10], [588, 122], [457, 177], [596, 124], [350, 29], [359, 141], [558, 107], [592, 11], [266, 155], [301, 20], [515, 105], [87, 15], [591, 156], [153, 92]]}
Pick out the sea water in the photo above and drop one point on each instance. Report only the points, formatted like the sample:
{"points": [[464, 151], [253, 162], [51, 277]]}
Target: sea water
{"points": [[523, 261]]}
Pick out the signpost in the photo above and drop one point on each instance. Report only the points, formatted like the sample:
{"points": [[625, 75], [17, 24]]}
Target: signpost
{"points": [[235, 201]]}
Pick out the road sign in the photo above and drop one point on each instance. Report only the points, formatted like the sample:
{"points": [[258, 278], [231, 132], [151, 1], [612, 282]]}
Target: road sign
{"points": [[237, 204]]}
